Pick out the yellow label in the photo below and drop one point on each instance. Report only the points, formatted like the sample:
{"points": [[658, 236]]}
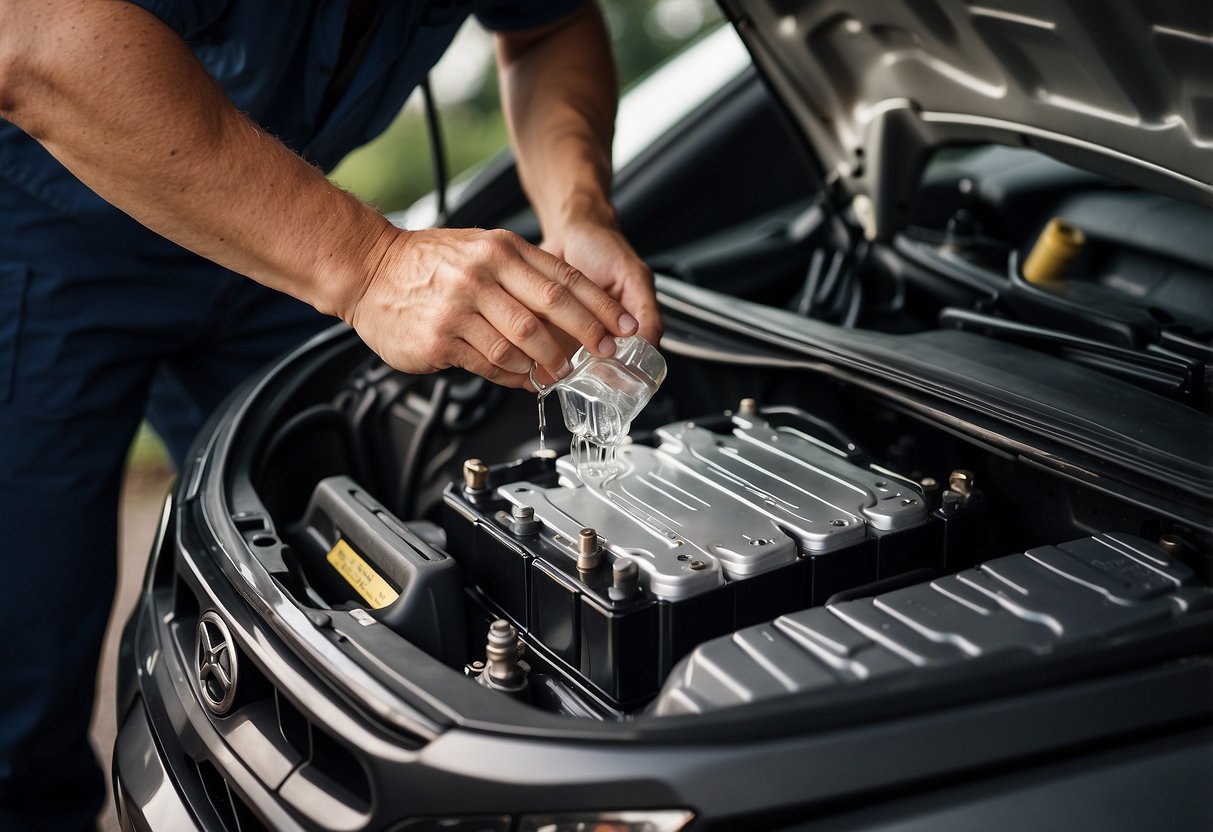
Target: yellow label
{"points": [[358, 573]]}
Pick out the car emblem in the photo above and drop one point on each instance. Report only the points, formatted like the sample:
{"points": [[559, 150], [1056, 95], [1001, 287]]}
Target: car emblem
{"points": [[215, 665]]}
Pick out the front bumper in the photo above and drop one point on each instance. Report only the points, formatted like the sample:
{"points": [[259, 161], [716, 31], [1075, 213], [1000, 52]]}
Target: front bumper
{"points": [[145, 794], [294, 755]]}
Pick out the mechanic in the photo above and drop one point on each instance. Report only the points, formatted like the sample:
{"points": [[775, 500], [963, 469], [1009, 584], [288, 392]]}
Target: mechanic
{"points": [[154, 155]]}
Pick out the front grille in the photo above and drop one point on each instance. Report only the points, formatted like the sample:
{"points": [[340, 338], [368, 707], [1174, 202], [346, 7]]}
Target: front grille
{"points": [[282, 730], [231, 809], [331, 762]]}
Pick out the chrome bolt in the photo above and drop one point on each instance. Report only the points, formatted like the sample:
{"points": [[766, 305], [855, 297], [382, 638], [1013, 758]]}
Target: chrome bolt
{"points": [[747, 407], [523, 520], [475, 475], [625, 579], [588, 550], [698, 565], [962, 482], [503, 670], [587, 541], [1172, 544]]}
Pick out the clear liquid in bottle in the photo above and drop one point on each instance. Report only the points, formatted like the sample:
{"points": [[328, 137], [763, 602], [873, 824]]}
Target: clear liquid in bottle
{"points": [[599, 399]]}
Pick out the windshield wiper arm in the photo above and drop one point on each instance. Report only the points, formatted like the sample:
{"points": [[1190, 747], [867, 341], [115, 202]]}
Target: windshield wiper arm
{"points": [[1171, 375]]}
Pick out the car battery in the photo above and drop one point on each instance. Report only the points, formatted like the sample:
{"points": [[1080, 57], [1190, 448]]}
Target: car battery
{"points": [[705, 532]]}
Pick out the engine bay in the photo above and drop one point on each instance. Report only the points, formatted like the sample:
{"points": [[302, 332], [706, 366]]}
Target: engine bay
{"points": [[615, 597], [867, 457]]}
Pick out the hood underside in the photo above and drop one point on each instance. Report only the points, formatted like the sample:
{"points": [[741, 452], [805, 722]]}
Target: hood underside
{"points": [[1123, 88]]}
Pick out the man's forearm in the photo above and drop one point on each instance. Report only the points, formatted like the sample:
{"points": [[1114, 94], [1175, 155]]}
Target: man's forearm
{"points": [[559, 93], [559, 90], [120, 100]]}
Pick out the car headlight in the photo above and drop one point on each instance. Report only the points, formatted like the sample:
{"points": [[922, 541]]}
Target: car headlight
{"points": [[668, 820], [641, 820]]}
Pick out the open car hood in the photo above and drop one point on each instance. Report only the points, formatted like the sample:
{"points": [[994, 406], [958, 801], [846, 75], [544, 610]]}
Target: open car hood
{"points": [[1125, 89]]}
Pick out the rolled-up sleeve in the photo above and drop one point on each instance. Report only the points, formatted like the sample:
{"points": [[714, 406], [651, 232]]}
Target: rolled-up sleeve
{"points": [[515, 15], [185, 17]]}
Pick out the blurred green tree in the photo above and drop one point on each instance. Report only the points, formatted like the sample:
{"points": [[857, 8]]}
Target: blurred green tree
{"points": [[394, 170]]}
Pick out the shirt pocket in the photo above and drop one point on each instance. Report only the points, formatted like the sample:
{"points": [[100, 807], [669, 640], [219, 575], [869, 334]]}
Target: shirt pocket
{"points": [[12, 298]]}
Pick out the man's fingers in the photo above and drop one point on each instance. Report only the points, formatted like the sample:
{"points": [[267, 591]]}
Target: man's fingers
{"points": [[494, 346], [523, 328], [469, 358], [640, 296], [651, 327], [572, 301]]}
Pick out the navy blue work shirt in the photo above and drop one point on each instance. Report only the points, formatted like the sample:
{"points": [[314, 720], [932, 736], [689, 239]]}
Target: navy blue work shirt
{"points": [[275, 61]]}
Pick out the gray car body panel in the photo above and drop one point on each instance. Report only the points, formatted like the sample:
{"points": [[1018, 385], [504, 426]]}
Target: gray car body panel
{"points": [[876, 86]]}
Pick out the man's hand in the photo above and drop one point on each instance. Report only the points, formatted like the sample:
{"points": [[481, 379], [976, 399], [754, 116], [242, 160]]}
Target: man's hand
{"points": [[602, 254], [558, 89], [483, 301]]}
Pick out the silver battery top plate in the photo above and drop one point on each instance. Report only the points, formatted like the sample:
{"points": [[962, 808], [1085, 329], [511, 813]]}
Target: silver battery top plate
{"points": [[810, 489], [704, 505]]}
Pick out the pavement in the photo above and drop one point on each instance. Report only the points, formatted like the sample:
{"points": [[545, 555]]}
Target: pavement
{"points": [[143, 493]]}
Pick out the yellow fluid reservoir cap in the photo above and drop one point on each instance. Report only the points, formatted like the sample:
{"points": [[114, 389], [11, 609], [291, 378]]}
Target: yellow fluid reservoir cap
{"points": [[1057, 245]]}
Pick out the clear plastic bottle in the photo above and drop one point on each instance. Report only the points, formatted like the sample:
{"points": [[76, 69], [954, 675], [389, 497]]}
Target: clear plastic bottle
{"points": [[601, 396]]}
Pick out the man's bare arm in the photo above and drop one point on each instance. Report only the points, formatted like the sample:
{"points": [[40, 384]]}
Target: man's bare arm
{"points": [[120, 100], [559, 90]]}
